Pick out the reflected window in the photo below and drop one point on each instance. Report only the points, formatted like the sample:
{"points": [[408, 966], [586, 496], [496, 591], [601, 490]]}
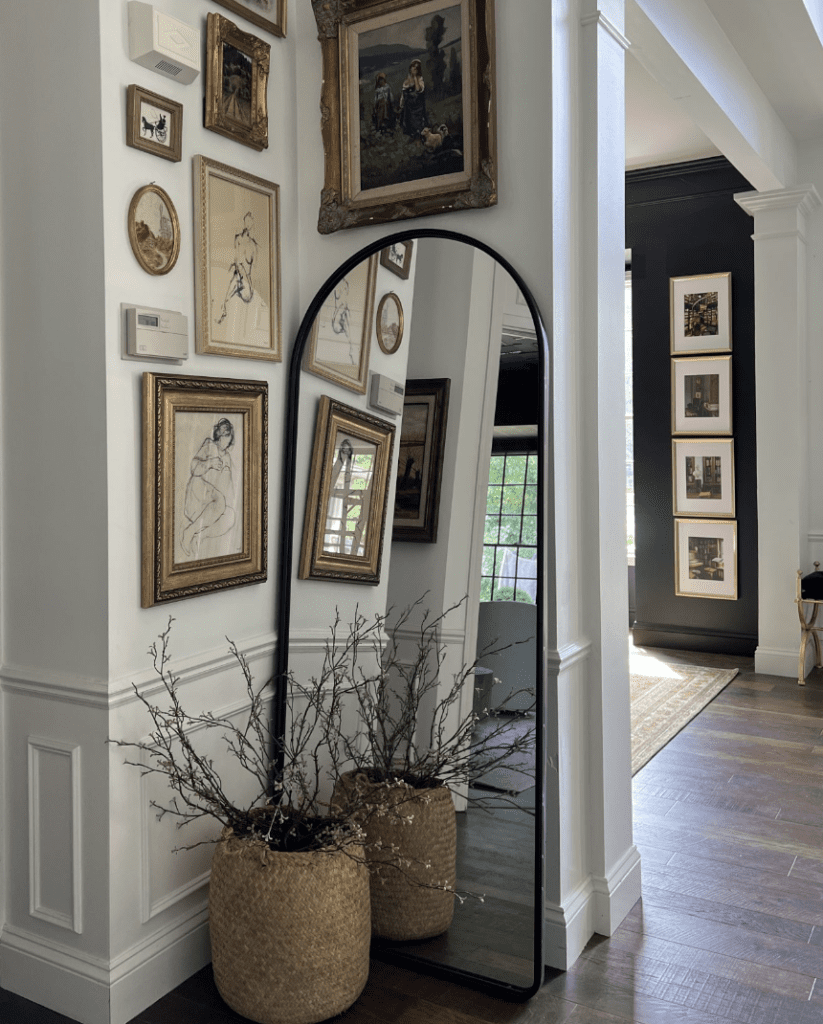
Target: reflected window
{"points": [[510, 543], [348, 509]]}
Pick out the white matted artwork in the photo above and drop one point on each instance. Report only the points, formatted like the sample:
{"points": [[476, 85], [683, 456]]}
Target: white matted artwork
{"points": [[237, 273], [703, 477], [701, 313], [702, 395], [209, 456], [705, 558], [340, 341]]}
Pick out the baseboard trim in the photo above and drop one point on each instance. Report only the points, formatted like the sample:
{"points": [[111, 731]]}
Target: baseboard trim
{"points": [[615, 895], [651, 634], [773, 661], [89, 989]]}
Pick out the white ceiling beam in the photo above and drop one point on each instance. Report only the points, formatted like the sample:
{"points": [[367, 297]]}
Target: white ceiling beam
{"points": [[684, 49]]}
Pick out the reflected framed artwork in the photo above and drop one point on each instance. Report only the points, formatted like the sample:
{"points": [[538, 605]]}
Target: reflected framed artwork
{"points": [[420, 460], [702, 395], [237, 265], [389, 323], [410, 90], [205, 503], [340, 342], [706, 558], [154, 123], [703, 477], [348, 486], [237, 74], [397, 258], [154, 230], [701, 313], [267, 14]]}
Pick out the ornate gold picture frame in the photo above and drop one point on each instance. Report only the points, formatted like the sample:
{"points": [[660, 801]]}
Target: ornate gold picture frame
{"points": [[409, 87], [205, 502], [340, 342], [154, 229], [267, 14], [237, 265], [237, 74], [420, 459], [154, 123], [348, 485], [389, 323]]}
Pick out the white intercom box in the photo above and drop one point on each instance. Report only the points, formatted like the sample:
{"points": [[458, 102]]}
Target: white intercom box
{"points": [[386, 394], [164, 44], [156, 333]]}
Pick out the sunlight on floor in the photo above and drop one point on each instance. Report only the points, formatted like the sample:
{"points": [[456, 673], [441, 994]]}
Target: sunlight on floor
{"points": [[645, 664]]}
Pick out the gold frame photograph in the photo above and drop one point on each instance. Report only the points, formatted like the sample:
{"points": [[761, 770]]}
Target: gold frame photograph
{"points": [[420, 460], [389, 333], [237, 74], [400, 141], [700, 314], [704, 489], [701, 404], [155, 236], [391, 259], [340, 344], [237, 265], [205, 498], [163, 136], [345, 517], [276, 24], [705, 558]]}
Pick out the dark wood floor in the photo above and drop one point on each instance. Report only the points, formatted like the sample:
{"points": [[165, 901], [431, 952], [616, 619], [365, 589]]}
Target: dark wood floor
{"points": [[729, 820]]}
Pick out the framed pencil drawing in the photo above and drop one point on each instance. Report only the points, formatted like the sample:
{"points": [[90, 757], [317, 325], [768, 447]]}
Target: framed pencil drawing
{"points": [[703, 477], [267, 14], [706, 558], [237, 264], [348, 485], [154, 229], [702, 395], [397, 258], [154, 123], [340, 342], [409, 100], [701, 314], [420, 460], [205, 505], [237, 74]]}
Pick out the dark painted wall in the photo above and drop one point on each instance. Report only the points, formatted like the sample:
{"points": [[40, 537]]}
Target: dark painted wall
{"points": [[680, 221]]}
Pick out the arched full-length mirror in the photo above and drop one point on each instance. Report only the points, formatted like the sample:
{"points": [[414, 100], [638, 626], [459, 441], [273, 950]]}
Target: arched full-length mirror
{"points": [[431, 337]]}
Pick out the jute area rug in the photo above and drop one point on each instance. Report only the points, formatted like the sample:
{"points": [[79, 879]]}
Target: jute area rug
{"points": [[664, 698]]}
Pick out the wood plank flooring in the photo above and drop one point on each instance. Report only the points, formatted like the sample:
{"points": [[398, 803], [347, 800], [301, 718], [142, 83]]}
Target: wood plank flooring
{"points": [[729, 821]]}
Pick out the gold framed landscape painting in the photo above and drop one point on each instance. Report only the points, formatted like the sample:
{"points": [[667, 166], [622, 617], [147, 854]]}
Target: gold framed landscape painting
{"points": [[154, 229], [345, 516], [237, 75], [205, 504], [410, 90], [340, 342], [237, 262], [706, 558], [701, 313]]}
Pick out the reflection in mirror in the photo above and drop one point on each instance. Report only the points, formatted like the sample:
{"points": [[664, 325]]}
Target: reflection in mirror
{"points": [[465, 321]]}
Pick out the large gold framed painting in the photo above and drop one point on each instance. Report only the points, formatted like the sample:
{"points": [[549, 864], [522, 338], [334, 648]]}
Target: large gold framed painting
{"points": [[408, 104], [204, 485]]}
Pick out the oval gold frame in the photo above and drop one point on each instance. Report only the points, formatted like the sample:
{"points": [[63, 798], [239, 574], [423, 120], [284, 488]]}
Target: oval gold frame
{"points": [[175, 224], [381, 306]]}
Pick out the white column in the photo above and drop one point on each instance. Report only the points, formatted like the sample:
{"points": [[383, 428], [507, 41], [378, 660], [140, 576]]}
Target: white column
{"points": [[781, 342]]}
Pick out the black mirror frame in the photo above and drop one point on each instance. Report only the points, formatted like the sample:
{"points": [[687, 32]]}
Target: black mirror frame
{"points": [[400, 955]]}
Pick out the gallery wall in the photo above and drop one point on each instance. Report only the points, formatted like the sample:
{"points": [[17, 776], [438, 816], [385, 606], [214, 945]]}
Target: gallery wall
{"points": [[682, 220]]}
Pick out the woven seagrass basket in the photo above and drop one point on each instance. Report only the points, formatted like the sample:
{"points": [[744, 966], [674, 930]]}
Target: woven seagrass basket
{"points": [[290, 932], [403, 906]]}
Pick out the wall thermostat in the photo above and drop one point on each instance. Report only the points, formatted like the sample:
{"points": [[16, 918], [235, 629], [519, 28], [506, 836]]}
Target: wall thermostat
{"points": [[156, 333], [164, 44], [386, 394]]}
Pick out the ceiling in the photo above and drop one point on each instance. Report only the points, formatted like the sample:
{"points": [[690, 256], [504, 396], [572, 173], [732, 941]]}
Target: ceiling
{"points": [[781, 50]]}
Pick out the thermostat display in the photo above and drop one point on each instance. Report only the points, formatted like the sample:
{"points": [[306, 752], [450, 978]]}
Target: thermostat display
{"points": [[156, 333]]}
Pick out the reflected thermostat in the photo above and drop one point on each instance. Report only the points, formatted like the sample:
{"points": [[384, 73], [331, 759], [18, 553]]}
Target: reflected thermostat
{"points": [[155, 334], [386, 394]]}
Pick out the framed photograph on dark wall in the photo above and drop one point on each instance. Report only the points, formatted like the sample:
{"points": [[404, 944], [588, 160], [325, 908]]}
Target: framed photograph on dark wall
{"points": [[701, 314], [420, 460], [706, 558], [702, 395], [703, 477]]}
